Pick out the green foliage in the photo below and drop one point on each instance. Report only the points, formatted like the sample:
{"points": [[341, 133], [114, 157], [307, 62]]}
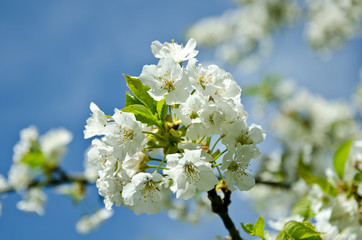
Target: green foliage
{"points": [[140, 93], [162, 109], [340, 158], [131, 99], [257, 229], [310, 179], [265, 89], [303, 208], [35, 157], [142, 114], [294, 230]]}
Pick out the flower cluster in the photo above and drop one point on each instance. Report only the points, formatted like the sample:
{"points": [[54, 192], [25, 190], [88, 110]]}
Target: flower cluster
{"points": [[175, 110], [332, 22], [244, 34], [35, 157]]}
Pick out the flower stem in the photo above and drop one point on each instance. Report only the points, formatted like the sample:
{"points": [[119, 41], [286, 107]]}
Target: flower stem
{"points": [[153, 166], [219, 155], [164, 158], [213, 147], [157, 135]]}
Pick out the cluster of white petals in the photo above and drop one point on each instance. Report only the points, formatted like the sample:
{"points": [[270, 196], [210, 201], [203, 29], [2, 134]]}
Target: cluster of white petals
{"points": [[332, 22], [89, 222], [200, 103], [244, 34], [34, 201], [33, 156]]}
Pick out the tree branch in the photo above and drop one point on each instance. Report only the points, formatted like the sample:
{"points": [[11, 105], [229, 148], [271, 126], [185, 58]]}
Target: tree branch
{"points": [[273, 184], [220, 207], [64, 178]]}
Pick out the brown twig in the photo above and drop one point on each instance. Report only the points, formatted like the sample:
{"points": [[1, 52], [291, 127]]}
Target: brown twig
{"points": [[220, 207]]}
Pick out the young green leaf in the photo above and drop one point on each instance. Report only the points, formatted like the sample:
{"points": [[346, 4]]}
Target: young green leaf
{"points": [[294, 230], [340, 158], [303, 208], [162, 109], [310, 179], [257, 229], [140, 91], [131, 99], [142, 114]]}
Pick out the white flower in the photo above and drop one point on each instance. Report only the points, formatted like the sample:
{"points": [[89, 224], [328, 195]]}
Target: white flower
{"points": [[34, 201], [53, 144], [143, 194], [239, 133], [99, 153], [111, 184], [89, 222], [27, 137], [189, 111], [236, 174], [193, 171], [96, 123], [175, 51], [132, 165], [124, 134], [167, 79], [19, 176]]}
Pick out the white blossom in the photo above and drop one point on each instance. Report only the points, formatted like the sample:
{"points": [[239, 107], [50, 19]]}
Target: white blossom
{"points": [[124, 134], [96, 123], [53, 144], [27, 138], [19, 176], [192, 171], [175, 51], [167, 79], [34, 201], [90, 222], [142, 194]]}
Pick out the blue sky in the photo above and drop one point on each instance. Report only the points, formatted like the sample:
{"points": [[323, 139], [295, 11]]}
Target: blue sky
{"points": [[58, 56]]}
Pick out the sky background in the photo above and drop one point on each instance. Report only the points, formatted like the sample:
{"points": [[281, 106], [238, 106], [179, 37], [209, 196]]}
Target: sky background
{"points": [[58, 56]]}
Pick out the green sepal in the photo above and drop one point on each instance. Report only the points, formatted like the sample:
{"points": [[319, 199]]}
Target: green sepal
{"points": [[142, 114], [294, 230], [140, 92], [340, 158]]}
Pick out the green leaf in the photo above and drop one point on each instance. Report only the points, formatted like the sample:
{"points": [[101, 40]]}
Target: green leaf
{"points": [[162, 109], [131, 99], [248, 228], [340, 158], [140, 91], [294, 230], [303, 208], [310, 179], [35, 157], [257, 229], [141, 113]]}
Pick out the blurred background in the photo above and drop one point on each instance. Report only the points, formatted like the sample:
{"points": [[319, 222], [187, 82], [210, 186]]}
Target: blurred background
{"points": [[58, 56]]}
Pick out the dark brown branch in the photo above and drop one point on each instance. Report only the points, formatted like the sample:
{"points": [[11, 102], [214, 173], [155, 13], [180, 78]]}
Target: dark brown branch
{"points": [[64, 178], [273, 184], [220, 207]]}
